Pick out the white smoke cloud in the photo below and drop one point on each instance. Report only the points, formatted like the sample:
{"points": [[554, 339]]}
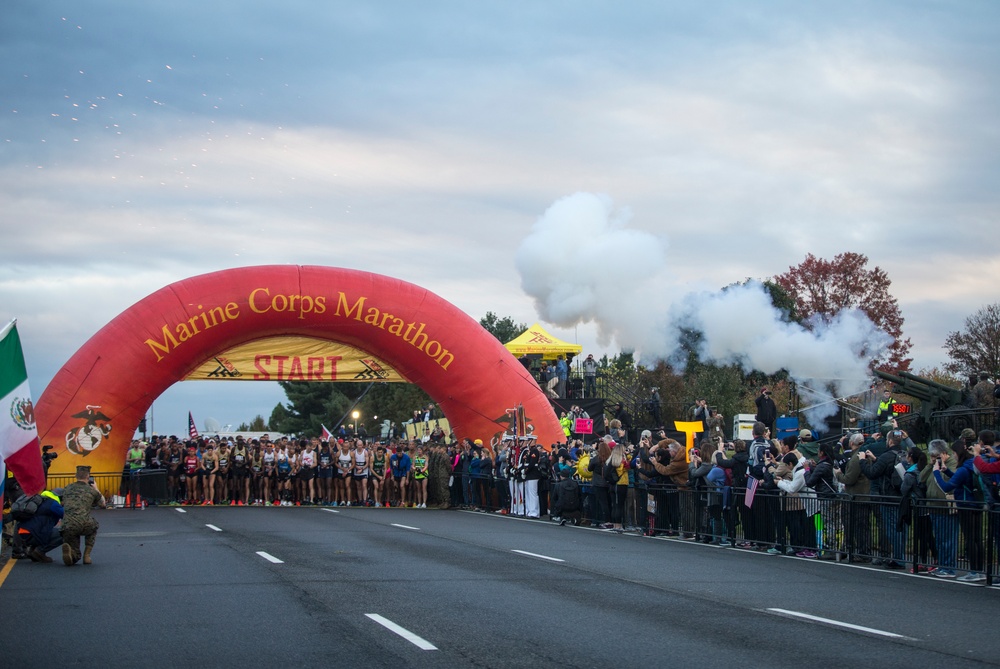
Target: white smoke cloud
{"points": [[582, 263], [740, 326]]}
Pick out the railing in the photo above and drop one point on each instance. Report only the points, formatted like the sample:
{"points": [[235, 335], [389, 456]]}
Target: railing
{"points": [[948, 424], [147, 483], [939, 534]]}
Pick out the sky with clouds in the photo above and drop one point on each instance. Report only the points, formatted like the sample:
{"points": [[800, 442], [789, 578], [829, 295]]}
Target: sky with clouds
{"points": [[142, 143]]}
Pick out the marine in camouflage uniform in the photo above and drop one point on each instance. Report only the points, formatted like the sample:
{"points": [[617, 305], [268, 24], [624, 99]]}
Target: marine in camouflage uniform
{"points": [[716, 428], [77, 499], [983, 392]]}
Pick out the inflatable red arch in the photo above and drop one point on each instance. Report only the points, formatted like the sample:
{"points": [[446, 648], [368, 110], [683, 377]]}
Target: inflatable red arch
{"points": [[92, 406]]}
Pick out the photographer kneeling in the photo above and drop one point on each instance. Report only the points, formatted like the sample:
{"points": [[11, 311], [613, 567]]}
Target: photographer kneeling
{"points": [[44, 535]]}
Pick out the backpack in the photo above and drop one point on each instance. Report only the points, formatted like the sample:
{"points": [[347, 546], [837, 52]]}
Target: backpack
{"points": [[895, 479], [610, 474], [755, 467], [569, 495], [24, 507], [983, 492]]}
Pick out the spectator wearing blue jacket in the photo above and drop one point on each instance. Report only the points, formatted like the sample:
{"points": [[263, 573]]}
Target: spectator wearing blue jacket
{"points": [[475, 473], [961, 482], [562, 373]]}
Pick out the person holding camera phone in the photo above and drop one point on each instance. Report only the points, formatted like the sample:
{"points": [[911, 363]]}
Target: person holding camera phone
{"points": [[961, 483], [767, 410], [880, 470]]}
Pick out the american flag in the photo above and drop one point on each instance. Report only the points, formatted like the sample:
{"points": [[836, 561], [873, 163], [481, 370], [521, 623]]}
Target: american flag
{"points": [[751, 490], [327, 435], [192, 430]]}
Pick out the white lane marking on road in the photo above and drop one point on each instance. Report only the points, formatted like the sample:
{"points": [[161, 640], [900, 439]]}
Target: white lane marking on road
{"points": [[330, 510], [420, 643], [270, 558], [405, 527], [838, 623], [213, 527], [180, 510], [543, 557]]}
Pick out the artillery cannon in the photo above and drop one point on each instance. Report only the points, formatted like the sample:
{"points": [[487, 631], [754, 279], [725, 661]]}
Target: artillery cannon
{"points": [[944, 411]]}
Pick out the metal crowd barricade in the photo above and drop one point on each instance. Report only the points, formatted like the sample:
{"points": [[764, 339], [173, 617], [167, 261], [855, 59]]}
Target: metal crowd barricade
{"points": [[150, 484]]}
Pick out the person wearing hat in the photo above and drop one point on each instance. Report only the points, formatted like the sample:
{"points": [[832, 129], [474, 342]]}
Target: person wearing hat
{"points": [[78, 499], [767, 410], [807, 445]]}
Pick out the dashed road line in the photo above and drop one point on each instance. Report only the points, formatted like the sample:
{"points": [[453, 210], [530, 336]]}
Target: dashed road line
{"points": [[213, 527], [270, 558], [405, 527], [838, 623], [536, 555], [421, 643]]}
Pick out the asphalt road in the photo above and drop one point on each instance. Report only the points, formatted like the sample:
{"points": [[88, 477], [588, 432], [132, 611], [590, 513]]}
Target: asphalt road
{"points": [[310, 587]]}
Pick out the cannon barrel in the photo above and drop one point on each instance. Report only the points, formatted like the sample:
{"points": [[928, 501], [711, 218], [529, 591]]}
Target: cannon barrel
{"points": [[921, 391], [952, 392], [886, 376]]}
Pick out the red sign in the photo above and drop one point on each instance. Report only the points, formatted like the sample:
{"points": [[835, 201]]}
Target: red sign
{"points": [[901, 408], [584, 426]]}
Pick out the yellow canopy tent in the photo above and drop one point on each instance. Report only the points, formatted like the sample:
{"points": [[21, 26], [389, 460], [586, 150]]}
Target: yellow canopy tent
{"points": [[535, 341]]}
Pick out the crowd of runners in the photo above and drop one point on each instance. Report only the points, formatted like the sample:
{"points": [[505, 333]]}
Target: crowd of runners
{"points": [[261, 472]]}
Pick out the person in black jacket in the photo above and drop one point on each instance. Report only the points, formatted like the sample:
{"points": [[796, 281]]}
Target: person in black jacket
{"points": [[566, 502], [767, 410], [530, 460], [819, 477], [914, 511], [625, 418], [602, 512], [738, 466], [697, 471], [879, 471]]}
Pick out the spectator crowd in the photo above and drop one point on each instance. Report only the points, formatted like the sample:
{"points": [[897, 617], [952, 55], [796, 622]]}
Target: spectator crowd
{"points": [[876, 499]]}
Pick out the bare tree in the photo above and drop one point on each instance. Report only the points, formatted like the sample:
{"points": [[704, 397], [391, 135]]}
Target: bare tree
{"points": [[976, 349]]}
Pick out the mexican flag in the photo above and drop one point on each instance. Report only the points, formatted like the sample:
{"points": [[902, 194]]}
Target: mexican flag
{"points": [[19, 450]]}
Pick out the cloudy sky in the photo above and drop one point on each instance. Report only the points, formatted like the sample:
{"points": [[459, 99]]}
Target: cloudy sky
{"points": [[142, 143]]}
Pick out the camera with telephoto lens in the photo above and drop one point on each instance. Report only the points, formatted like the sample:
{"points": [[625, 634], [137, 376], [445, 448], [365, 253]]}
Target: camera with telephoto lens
{"points": [[47, 457]]}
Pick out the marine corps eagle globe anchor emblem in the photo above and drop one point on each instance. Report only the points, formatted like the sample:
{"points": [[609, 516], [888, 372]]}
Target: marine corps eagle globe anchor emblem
{"points": [[84, 440]]}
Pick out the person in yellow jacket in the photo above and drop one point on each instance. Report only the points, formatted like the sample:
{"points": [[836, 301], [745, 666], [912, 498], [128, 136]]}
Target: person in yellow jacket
{"points": [[567, 424]]}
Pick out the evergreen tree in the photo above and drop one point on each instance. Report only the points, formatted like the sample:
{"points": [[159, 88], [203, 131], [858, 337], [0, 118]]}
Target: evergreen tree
{"points": [[504, 329]]}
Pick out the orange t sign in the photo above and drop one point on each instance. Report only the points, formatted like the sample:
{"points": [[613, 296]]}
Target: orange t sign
{"points": [[689, 428]]}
